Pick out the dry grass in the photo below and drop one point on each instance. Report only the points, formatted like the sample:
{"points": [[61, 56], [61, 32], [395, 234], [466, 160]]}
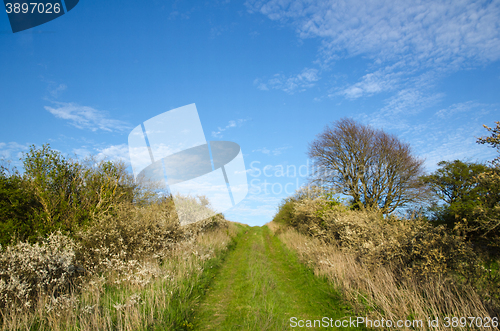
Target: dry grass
{"points": [[144, 294], [136, 270], [378, 291]]}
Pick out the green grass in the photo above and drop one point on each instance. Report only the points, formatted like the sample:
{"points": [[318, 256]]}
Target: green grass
{"points": [[262, 285]]}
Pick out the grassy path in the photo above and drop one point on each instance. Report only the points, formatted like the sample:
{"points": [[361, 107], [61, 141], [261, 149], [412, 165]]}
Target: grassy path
{"points": [[261, 286]]}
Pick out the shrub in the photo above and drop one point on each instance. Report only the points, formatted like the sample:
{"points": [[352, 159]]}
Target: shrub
{"points": [[16, 208], [29, 270], [135, 232], [129, 234], [73, 193], [285, 214], [412, 243]]}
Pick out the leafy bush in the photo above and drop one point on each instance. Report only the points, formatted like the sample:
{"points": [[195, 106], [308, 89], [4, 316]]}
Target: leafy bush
{"points": [[73, 193], [59, 194], [16, 208], [285, 212], [485, 225], [471, 195]]}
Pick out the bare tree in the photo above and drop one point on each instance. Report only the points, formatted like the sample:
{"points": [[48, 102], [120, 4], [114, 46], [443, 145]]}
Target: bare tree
{"points": [[375, 168]]}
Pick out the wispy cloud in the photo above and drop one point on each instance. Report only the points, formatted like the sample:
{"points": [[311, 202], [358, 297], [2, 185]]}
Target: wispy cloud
{"points": [[290, 84], [457, 144], [464, 107], [111, 152], [410, 101], [12, 151], [115, 152], [275, 151], [408, 43], [56, 90], [231, 124], [431, 33], [84, 117], [372, 83]]}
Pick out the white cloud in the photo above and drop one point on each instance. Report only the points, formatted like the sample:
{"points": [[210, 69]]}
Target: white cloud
{"points": [[55, 91], [231, 124], [409, 43], [115, 152], [291, 84], [275, 151], [12, 151], [372, 83], [463, 107], [457, 144], [410, 100], [394, 115], [111, 152], [84, 117], [432, 33]]}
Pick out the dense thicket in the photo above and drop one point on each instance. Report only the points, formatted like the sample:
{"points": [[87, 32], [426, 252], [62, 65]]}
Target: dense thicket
{"points": [[64, 221], [469, 200], [58, 193]]}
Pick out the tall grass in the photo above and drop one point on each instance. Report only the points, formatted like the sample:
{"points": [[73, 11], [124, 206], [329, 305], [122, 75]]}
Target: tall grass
{"points": [[379, 292], [149, 293], [398, 268], [87, 248]]}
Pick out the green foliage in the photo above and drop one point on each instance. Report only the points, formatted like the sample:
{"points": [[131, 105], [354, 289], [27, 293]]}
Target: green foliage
{"points": [[285, 212], [17, 205], [55, 182], [455, 181], [74, 193], [493, 140], [471, 196], [486, 222], [456, 184], [58, 193]]}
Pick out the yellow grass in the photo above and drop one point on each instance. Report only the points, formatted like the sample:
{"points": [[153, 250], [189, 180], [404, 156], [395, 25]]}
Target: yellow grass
{"points": [[377, 291], [137, 296]]}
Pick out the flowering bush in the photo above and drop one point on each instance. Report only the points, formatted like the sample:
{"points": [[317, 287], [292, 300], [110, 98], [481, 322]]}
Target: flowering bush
{"points": [[376, 240], [28, 270]]}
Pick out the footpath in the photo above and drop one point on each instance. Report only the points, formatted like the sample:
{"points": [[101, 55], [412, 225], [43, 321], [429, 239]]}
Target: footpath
{"points": [[262, 286]]}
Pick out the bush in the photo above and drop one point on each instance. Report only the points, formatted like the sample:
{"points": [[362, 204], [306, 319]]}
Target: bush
{"points": [[59, 194], [129, 234], [73, 193], [17, 204], [411, 243], [30, 270], [133, 233], [285, 214]]}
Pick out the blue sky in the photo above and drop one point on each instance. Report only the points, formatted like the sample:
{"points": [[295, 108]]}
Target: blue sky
{"points": [[268, 75]]}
